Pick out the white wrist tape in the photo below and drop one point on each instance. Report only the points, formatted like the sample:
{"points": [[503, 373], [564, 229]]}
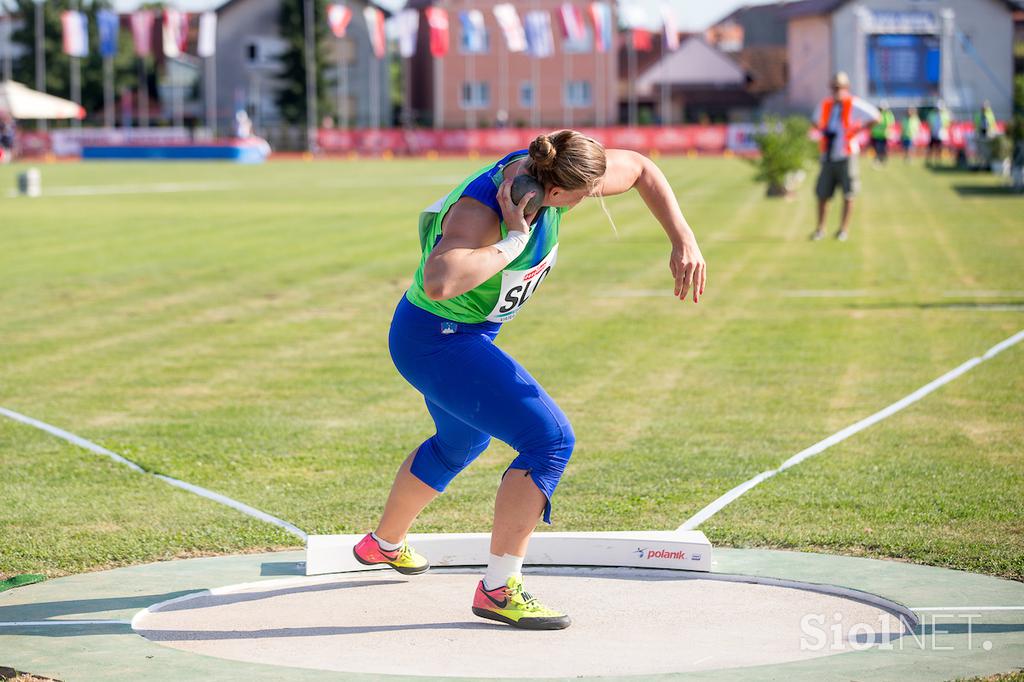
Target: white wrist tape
{"points": [[512, 245]]}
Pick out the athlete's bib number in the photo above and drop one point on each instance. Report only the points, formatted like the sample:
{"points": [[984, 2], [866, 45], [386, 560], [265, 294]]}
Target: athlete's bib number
{"points": [[517, 286]]}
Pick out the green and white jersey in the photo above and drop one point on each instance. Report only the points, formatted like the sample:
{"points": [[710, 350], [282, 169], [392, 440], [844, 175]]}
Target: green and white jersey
{"points": [[502, 296]]}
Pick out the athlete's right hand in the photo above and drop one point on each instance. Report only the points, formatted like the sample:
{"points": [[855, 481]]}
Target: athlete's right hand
{"points": [[513, 214]]}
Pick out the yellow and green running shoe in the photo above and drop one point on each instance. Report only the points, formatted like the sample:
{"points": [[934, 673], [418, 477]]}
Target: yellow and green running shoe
{"points": [[510, 604], [405, 559]]}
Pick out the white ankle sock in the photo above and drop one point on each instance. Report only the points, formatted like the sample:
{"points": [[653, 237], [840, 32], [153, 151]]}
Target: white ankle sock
{"points": [[385, 545], [500, 569]]}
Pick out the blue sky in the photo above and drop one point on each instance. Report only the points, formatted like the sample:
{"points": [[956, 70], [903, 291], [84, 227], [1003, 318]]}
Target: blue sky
{"points": [[692, 14]]}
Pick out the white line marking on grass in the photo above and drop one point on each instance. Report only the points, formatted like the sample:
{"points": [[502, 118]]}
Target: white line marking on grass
{"points": [[716, 506], [154, 188], [826, 293], [636, 293], [968, 293], [967, 608], [361, 183], [33, 623], [202, 492]]}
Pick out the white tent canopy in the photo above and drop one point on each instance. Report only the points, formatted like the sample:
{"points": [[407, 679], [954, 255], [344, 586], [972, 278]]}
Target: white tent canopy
{"points": [[25, 103]]}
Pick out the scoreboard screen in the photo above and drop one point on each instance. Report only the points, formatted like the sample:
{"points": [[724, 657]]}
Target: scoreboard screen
{"points": [[903, 65]]}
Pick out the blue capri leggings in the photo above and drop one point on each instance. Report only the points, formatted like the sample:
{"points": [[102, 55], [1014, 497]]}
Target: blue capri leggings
{"points": [[474, 390]]}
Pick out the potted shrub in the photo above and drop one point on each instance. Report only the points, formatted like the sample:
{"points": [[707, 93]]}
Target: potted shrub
{"points": [[1016, 135], [1002, 150], [786, 148]]}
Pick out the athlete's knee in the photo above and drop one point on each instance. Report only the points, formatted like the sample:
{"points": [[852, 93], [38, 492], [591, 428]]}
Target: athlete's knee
{"points": [[437, 462], [545, 461], [548, 451]]}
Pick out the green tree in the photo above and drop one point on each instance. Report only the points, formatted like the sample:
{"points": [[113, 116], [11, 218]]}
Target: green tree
{"points": [[58, 64], [291, 98]]}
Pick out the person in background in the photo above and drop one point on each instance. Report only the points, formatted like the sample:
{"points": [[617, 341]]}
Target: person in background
{"points": [[909, 128], [840, 118], [985, 122], [985, 130], [243, 125], [7, 136], [938, 126], [880, 134]]}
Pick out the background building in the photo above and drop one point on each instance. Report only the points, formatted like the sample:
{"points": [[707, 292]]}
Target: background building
{"points": [[909, 52], [248, 48], [696, 83], [576, 85]]}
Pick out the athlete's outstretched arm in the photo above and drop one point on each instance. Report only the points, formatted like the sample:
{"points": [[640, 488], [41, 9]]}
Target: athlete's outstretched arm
{"points": [[469, 252], [627, 170]]}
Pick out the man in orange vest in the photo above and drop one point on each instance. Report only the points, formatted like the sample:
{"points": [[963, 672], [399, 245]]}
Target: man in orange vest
{"points": [[840, 118]]}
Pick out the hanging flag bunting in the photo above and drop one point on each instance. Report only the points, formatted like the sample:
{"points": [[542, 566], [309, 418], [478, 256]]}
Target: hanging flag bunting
{"points": [[671, 30], [601, 15], [108, 24], [76, 33], [474, 32], [508, 19], [408, 21], [338, 16], [142, 32], [539, 40], [437, 19], [643, 41], [175, 33], [375, 25], [574, 27], [207, 45]]}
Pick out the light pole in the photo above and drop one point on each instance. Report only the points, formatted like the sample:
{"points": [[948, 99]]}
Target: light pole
{"points": [[76, 77], [310, 77], [8, 17], [40, 57]]}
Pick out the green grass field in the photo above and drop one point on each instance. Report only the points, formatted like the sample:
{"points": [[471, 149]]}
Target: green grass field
{"points": [[233, 335]]}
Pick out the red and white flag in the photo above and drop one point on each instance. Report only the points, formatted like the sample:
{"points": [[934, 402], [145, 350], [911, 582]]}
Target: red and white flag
{"points": [[76, 33], [601, 15], [338, 17], [574, 27], [142, 32], [668, 20], [375, 26], [512, 28], [408, 24], [437, 19], [175, 33]]}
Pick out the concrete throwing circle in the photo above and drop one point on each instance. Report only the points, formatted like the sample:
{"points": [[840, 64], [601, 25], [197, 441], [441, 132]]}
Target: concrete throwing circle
{"points": [[626, 621]]}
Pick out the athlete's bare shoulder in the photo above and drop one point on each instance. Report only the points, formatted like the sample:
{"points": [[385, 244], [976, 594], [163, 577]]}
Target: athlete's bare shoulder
{"points": [[469, 224]]}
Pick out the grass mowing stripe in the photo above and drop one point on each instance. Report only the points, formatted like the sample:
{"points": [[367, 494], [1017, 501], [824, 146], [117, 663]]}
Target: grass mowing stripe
{"points": [[663, 381], [103, 337], [202, 492], [707, 512], [257, 256], [597, 382]]}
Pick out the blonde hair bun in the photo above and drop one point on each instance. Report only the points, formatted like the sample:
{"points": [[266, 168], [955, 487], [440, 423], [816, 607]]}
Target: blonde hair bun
{"points": [[566, 159], [543, 152]]}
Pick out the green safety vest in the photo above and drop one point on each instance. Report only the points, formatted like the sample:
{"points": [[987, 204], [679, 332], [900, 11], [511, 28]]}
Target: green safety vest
{"points": [[880, 130], [989, 120], [911, 126]]}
